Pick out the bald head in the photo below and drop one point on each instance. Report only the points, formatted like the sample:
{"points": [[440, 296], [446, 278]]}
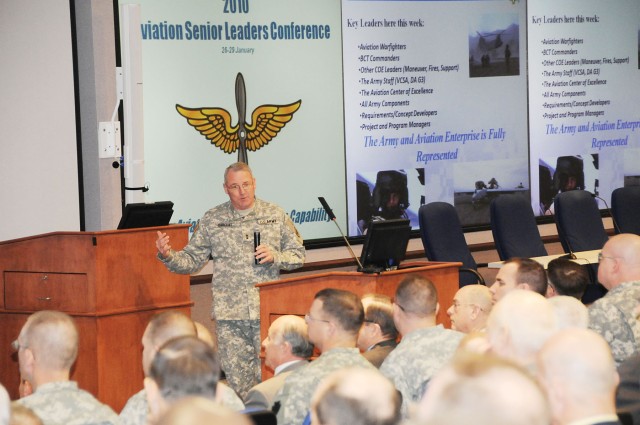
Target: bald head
{"points": [[465, 392], [161, 328], [355, 396], [569, 312], [577, 370], [470, 309], [52, 337], [199, 410], [620, 260], [519, 324]]}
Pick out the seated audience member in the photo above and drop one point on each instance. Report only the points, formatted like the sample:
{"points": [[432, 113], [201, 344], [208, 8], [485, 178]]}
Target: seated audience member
{"points": [[519, 273], [470, 309], [569, 312], [628, 393], [22, 415], [195, 410], [483, 390], [519, 325], [333, 321], [47, 348], [474, 342], [578, 373], [566, 277], [226, 395], [425, 346], [356, 396], [286, 349], [613, 315], [161, 328], [378, 334], [183, 366], [4, 406]]}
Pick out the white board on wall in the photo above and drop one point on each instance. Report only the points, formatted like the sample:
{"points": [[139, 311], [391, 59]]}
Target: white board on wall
{"points": [[38, 149]]}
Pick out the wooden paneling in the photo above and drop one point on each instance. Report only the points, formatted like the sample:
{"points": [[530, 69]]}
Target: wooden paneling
{"points": [[295, 295], [111, 283]]}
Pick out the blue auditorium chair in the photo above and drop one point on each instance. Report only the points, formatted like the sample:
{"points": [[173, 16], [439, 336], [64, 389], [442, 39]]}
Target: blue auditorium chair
{"points": [[514, 228], [443, 239], [625, 209], [579, 222]]}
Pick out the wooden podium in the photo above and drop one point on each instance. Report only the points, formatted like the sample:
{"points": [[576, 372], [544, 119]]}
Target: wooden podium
{"points": [[110, 282], [294, 295]]}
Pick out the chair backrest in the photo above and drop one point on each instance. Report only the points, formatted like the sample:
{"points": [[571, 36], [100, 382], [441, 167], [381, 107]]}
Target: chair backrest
{"points": [[514, 227], [625, 209], [262, 417], [579, 222], [443, 238]]}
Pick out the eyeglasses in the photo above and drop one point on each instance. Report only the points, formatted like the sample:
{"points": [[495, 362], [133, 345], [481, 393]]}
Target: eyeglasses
{"points": [[602, 257], [457, 305], [308, 318], [237, 187], [401, 308]]}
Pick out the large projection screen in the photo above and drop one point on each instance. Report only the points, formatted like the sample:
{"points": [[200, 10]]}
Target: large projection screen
{"points": [[401, 102]]}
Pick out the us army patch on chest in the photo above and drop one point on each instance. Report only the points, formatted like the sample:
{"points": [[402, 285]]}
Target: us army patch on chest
{"points": [[268, 221]]}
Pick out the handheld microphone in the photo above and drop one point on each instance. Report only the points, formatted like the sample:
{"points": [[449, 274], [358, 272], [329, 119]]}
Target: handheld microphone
{"points": [[615, 225], [332, 216], [256, 242]]}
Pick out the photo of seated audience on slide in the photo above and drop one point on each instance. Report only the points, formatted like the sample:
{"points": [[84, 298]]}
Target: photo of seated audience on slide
{"points": [[570, 173], [388, 195]]}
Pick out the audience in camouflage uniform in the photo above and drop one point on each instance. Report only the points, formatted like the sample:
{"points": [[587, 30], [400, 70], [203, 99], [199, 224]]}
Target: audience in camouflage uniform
{"points": [[333, 321], [47, 348], [614, 316]]}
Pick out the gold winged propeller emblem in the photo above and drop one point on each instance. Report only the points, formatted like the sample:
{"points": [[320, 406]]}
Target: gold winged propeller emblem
{"points": [[215, 123]]}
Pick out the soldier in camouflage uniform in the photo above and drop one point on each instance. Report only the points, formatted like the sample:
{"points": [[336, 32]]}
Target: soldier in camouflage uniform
{"points": [[161, 328], [226, 232], [614, 315], [47, 348], [425, 346], [333, 321]]}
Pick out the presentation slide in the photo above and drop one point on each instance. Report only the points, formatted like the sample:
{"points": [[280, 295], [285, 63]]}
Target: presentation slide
{"points": [[584, 85], [435, 106], [275, 67], [382, 106]]}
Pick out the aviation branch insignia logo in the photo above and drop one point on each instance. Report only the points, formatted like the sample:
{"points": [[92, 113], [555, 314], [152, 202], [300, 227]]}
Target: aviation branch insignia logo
{"points": [[215, 123]]}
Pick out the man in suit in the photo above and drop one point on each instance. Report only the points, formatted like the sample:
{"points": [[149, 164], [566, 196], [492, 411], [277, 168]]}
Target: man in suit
{"points": [[286, 349], [378, 334], [577, 370]]}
